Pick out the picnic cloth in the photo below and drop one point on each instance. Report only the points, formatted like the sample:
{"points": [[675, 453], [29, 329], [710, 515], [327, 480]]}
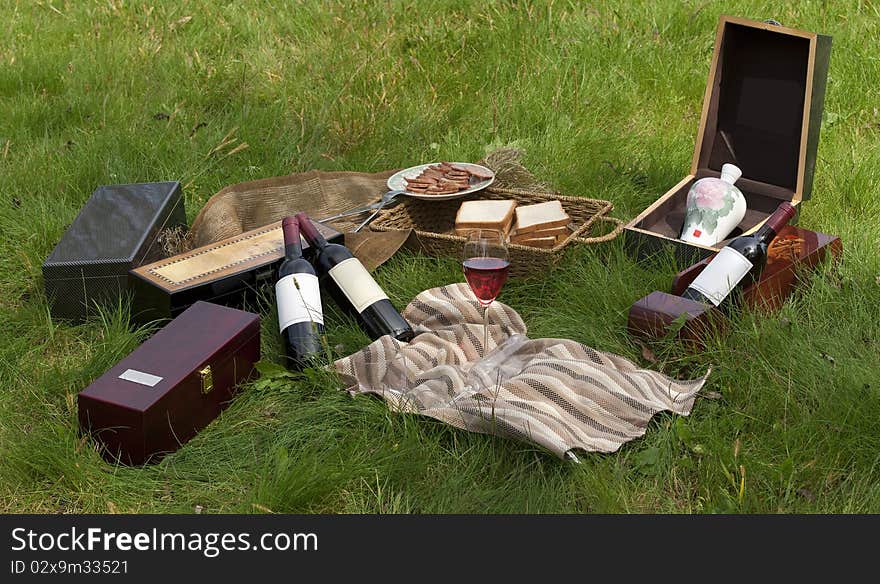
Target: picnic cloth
{"points": [[557, 393]]}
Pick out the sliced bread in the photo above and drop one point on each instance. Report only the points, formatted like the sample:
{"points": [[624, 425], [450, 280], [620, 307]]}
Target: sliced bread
{"points": [[483, 214], [516, 237], [546, 242], [540, 216]]}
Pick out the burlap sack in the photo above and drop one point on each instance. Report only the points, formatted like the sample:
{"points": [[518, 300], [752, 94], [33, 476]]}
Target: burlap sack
{"points": [[249, 205]]}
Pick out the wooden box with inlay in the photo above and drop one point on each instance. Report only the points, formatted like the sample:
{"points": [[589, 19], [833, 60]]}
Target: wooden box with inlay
{"points": [[227, 272], [171, 386], [762, 111], [792, 256]]}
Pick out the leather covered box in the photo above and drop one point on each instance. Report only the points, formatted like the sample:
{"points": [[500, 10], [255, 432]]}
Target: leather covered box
{"points": [[116, 230], [173, 385], [226, 272], [762, 111]]}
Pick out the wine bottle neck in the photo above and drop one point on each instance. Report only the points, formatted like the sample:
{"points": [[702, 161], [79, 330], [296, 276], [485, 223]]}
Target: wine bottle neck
{"points": [[293, 252], [775, 222], [310, 232], [292, 241], [765, 234]]}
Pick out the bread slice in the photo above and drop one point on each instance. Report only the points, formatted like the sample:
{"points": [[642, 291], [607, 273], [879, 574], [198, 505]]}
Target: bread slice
{"points": [[546, 242], [484, 214], [516, 237], [540, 216]]}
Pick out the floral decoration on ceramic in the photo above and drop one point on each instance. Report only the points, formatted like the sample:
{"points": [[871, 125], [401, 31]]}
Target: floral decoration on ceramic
{"points": [[714, 208]]}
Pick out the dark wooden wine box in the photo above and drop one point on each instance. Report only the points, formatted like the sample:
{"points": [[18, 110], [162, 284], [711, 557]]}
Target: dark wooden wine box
{"points": [[660, 314], [227, 272], [173, 385], [116, 230], [792, 255], [762, 111]]}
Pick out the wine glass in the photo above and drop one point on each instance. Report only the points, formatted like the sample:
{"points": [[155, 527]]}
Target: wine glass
{"points": [[486, 264]]}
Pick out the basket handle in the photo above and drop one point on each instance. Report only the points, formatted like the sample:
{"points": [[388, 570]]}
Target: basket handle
{"points": [[618, 227]]}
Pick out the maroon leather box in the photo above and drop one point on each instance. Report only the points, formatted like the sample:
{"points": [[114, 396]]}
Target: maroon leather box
{"points": [[173, 385]]}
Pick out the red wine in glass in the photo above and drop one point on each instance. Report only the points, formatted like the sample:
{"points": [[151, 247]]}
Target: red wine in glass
{"points": [[486, 276], [486, 263]]}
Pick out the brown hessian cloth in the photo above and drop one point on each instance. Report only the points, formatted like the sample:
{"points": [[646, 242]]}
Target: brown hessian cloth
{"points": [[241, 207], [557, 393]]}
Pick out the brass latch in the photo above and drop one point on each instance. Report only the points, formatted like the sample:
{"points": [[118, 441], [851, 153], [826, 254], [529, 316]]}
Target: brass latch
{"points": [[207, 378]]}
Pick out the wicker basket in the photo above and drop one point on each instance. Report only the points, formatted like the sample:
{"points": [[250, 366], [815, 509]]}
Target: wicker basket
{"points": [[433, 223]]}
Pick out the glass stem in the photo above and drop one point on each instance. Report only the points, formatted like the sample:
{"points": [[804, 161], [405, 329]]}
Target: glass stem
{"points": [[485, 330]]}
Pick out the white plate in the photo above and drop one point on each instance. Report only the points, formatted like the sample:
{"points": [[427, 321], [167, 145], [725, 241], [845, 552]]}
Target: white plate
{"points": [[396, 182]]}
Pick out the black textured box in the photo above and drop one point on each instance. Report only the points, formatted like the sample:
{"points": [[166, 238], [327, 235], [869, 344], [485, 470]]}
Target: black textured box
{"points": [[116, 230]]}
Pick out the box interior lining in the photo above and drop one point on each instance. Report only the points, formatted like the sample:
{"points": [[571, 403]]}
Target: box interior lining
{"points": [[755, 117]]}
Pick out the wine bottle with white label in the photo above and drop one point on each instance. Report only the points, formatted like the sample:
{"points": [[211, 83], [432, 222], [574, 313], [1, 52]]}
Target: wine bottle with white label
{"points": [[352, 286], [744, 256], [298, 295]]}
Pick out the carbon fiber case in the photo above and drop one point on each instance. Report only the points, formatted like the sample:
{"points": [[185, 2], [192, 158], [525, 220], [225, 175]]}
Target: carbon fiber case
{"points": [[116, 230]]}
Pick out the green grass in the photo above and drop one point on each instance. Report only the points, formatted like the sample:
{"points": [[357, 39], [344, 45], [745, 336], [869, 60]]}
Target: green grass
{"points": [[605, 102]]}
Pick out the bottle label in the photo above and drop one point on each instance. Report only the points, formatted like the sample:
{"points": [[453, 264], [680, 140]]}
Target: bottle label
{"points": [[356, 283], [299, 300], [721, 276]]}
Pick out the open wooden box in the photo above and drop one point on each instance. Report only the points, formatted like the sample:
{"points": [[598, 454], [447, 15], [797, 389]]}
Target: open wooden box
{"points": [[762, 111]]}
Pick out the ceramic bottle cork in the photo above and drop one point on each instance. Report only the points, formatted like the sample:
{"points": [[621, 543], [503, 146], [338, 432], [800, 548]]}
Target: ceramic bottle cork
{"points": [[714, 208]]}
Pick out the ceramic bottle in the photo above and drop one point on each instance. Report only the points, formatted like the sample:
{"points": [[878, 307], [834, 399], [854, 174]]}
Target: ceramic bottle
{"points": [[714, 208]]}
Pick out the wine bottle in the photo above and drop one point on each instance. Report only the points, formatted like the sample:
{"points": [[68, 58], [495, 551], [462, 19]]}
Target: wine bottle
{"points": [[744, 256], [298, 295], [352, 286]]}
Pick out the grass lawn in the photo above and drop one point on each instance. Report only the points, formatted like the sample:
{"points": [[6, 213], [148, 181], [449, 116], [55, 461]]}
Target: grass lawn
{"points": [[605, 102]]}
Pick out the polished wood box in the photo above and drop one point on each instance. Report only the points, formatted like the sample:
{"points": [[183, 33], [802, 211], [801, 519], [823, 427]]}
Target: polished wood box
{"points": [[659, 315], [227, 272], [173, 385], [792, 255], [762, 111]]}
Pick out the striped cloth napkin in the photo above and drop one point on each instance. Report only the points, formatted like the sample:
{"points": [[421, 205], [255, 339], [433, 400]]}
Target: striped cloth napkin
{"points": [[557, 393]]}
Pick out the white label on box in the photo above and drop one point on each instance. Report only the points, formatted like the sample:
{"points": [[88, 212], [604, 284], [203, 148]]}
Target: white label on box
{"points": [[356, 283], [299, 300], [722, 275], [140, 377]]}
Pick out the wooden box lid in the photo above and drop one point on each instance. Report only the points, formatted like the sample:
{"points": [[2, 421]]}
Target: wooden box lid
{"points": [[202, 334], [762, 108], [250, 250], [117, 225]]}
